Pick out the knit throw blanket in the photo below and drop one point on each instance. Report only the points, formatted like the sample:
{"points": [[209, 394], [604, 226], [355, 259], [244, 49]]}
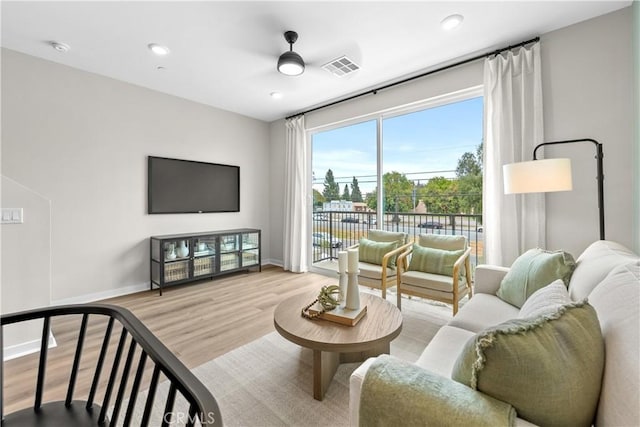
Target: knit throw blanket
{"points": [[395, 392]]}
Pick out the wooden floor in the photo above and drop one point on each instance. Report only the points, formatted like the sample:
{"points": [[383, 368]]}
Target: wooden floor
{"points": [[198, 322]]}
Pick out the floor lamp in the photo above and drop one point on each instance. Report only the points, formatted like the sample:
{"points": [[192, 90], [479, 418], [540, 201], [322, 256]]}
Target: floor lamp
{"points": [[541, 176]]}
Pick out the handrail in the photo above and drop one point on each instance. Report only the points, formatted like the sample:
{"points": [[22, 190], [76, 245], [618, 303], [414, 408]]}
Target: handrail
{"points": [[175, 371]]}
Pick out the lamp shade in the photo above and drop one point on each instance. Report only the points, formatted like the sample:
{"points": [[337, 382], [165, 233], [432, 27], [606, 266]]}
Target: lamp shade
{"points": [[537, 176]]}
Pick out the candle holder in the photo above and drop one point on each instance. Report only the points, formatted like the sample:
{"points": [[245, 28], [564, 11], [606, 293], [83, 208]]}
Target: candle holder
{"points": [[353, 292], [342, 283]]}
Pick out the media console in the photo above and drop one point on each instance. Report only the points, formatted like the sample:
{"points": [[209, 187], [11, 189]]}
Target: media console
{"points": [[181, 258]]}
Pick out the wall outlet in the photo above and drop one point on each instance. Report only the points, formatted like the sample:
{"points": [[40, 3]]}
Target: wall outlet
{"points": [[12, 216]]}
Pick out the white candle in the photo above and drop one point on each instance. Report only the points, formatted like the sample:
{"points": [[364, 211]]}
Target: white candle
{"points": [[342, 262], [352, 266]]}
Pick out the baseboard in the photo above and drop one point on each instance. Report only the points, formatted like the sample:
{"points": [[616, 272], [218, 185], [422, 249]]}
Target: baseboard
{"points": [[96, 296], [276, 262], [22, 349]]}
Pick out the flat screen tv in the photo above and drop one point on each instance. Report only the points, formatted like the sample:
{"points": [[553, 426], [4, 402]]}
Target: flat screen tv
{"points": [[186, 186]]}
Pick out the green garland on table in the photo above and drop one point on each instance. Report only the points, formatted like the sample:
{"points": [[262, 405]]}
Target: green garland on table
{"points": [[326, 299]]}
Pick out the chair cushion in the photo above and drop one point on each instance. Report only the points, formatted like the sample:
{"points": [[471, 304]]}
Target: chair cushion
{"points": [[372, 252], [429, 281], [374, 271], [549, 368], [533, 270], [436, 261], [387, 236], [545, 300], [446, 242]]}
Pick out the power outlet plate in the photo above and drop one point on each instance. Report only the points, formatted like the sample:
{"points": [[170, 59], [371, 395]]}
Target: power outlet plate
{"points": [[12, 216]]}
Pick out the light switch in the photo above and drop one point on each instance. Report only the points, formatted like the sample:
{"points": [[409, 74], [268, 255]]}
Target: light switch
{"points": [[12, 216]]}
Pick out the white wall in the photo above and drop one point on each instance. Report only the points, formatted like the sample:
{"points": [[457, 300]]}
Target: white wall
{"points": [[26, 264], [587, 73], [82, 141], [276, 195]]}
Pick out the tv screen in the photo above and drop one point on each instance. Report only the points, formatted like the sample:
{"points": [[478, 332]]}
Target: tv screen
{"points": [[185, 186]]}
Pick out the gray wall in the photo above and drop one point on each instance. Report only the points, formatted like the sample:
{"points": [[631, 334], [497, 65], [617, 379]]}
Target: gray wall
{"points": [[587, 73], [636, 120], [81, 140]]}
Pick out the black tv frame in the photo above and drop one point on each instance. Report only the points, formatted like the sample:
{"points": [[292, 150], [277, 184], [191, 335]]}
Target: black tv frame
{"points": [[149, 183]]}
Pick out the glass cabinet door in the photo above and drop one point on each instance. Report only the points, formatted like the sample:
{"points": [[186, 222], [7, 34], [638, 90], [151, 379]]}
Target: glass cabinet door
{"points": [[250, 241], [204, 256], [176, 249]]}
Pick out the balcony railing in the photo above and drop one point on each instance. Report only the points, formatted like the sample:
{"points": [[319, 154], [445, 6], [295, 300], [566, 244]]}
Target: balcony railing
{"points": [[343, 229]]}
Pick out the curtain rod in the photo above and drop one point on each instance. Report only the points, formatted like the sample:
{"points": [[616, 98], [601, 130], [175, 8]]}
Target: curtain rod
{"points": [[437, 70]]}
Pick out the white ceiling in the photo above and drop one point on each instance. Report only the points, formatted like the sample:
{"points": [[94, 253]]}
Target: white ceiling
{"points": [[224, 54]]}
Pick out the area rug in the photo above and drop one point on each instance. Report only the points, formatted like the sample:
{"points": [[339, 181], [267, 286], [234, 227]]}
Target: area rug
{"points": [[268, 382]]}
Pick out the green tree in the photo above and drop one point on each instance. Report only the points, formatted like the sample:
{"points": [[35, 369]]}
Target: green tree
{"points": [[469, 173], [440, 195], [345, 193], [331, 189], [397, 193], [356, 194], [371, 199], [318, 198]]}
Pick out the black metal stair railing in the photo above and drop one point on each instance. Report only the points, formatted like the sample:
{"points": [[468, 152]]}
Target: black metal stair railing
{"points": [[202, 406]]}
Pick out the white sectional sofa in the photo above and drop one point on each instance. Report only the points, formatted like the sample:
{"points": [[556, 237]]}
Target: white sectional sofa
{"points": [[606, 273]]}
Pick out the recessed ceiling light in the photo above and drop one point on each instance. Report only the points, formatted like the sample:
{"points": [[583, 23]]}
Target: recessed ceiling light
{"points": [[451, 22], [161, 68], [276, 95], [158, 49], [60, 47]]}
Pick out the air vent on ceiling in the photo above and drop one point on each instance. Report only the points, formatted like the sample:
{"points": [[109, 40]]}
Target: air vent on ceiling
{"points": [[341, 66]]}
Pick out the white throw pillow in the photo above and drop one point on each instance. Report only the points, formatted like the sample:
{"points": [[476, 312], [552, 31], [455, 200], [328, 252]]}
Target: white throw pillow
{"points": [[545, 300]]}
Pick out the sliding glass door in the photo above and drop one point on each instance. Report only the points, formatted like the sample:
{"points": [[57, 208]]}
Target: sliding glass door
{"points": [[415, 170]]}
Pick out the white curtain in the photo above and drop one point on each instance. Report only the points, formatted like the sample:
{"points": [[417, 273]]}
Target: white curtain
{"points": [[513, 127], [296, 187]]}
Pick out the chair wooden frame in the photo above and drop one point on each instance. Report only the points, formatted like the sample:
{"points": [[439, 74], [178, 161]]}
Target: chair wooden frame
{"points": [[402, 266], [384, 265]]}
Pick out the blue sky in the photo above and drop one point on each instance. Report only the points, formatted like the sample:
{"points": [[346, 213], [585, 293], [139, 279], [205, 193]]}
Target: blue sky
{"points": [[421, 145]]}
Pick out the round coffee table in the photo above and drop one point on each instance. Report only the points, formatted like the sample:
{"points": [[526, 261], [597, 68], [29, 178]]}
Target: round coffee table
{"points": [[333, 343]]}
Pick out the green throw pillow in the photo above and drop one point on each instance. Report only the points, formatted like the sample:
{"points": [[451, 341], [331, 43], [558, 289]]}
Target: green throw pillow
{"points": [[548, 368], [373, 252], [436, 261], [533, 270]]}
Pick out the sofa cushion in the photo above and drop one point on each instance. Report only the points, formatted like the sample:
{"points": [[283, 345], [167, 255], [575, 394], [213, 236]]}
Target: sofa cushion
{"points": [[440, 355], [617, 302], [594, 264], [545, 300], [372, 252], [436, 261], [549, 368], [533, 270], [483, 311]]}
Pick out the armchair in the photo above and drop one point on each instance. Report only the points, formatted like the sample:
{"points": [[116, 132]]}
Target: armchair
{"points": [[376, 270], [427, 271]]}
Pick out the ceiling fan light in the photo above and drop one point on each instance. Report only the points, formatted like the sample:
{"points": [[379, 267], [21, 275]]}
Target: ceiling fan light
{"points": [[291, 64]]}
